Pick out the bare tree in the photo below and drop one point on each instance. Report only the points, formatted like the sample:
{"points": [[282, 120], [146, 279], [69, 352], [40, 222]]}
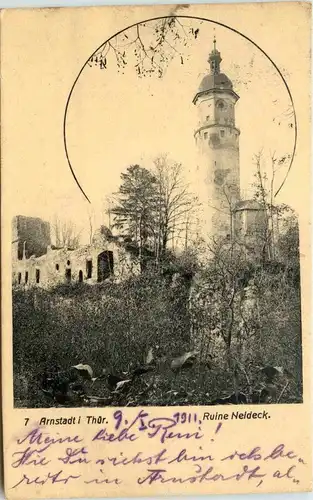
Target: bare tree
{"points": [[231, 203], [91, 223], [265, 195], [108, 203], [175, 204], [150, 46], [65, 233], [261, 196], [216, 303]]}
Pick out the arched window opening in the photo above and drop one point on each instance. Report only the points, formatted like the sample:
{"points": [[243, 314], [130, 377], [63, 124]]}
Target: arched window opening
{"points": [[68, 274], [89, 268]]}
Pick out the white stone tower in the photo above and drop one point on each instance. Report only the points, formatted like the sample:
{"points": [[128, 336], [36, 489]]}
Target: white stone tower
{"points": [[217, 140]]}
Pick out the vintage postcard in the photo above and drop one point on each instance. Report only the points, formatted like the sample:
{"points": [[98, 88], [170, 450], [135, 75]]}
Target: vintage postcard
{"points": [[156, 251]]}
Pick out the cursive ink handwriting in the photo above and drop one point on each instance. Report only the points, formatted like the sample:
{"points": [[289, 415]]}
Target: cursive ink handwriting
{"points": [[200, 476], [38, 437], [50, 477], [177, 440]]}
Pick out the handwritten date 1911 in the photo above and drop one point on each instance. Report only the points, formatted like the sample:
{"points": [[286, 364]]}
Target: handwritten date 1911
{"points": [[186, 418]]}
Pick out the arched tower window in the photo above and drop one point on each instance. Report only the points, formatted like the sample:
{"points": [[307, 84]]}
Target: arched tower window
{"points": [[221, 113], [221, 105]]}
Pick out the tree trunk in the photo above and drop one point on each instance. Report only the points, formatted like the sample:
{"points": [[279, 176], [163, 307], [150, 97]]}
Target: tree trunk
{"points": [[140, 244], [164, 241]]}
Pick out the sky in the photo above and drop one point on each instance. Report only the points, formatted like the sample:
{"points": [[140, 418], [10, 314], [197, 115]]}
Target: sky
{"points": [[116, 118]]}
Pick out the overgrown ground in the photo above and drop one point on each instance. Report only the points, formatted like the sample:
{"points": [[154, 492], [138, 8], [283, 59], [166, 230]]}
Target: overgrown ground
{"points": [[116, 328]]}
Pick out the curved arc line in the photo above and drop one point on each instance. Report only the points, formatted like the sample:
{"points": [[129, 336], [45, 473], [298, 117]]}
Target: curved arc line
{"points": [[64, 133], [182, 17]]}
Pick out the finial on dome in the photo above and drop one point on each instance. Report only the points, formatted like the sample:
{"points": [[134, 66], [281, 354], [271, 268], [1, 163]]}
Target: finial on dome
{"points": [[215, 59]]}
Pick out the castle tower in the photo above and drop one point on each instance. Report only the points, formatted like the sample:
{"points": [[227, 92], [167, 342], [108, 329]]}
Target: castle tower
{"points": [[217, 140]]}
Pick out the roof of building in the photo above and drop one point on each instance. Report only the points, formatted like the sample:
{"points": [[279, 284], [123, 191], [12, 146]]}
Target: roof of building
{"points": [[219, 80], [215, 79], [248, 205]]}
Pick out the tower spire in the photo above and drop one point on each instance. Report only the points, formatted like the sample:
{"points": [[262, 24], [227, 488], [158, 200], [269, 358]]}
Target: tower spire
{"points": [[215, 59]]}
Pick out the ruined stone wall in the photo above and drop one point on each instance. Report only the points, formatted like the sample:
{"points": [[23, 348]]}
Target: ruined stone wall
{"points": [[31, 232], [70, 266]]}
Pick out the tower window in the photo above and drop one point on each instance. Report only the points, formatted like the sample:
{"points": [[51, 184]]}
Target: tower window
{"points": [[26, 277], [68, 262], [19, 278], [205, 135], [222, 133], [37, 275], [208, 118], [57, 267]]}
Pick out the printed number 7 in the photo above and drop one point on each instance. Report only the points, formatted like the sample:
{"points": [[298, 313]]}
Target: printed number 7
{"points": [[26, 421]]}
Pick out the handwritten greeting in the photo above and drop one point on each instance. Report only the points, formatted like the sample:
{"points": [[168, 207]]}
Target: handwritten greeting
{"points": [[181, 449]]}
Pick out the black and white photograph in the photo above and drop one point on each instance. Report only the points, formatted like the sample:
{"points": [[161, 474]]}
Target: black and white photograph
{"points": [[155, 235]]}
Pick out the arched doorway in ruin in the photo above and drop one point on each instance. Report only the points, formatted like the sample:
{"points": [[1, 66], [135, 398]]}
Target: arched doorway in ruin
{"points": [[105, 265]]}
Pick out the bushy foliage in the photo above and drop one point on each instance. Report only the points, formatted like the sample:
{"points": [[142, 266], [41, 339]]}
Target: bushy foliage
{"points": [[116, 327], [109, 326], [247, 317]]}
